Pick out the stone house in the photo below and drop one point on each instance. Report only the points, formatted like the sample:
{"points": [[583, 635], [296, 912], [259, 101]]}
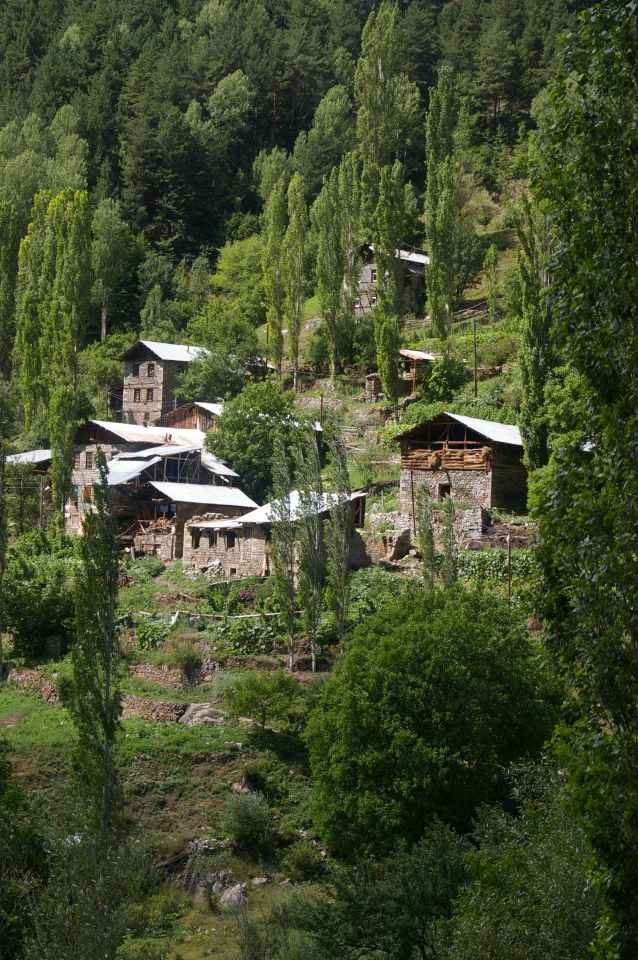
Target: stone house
{"points": [[478, 462], [151, 372], [137, 455], [177, 503], [414, 263], [240, 547]]}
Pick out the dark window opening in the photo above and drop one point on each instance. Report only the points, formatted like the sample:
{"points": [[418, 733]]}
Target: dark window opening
{"points": [[230, 540], [149, 396], [195, 538], [136, 370], [445, 490], [88, 460], [150, 370], [233, 571]]}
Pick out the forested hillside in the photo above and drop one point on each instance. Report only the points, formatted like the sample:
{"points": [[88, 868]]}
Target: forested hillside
{"points": [[318, 480]]}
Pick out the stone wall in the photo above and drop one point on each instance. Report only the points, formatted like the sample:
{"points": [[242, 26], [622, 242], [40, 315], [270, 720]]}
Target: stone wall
{"points": [[156, 543], [471, 486], [244, 554], [143, 411]]}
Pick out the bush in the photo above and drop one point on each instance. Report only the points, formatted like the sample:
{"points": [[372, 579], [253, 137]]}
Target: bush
{"points": [[151, 632], [145, 568], [304, 862], [38, 590], [185, 657], [248, 821], [435, 695], [264, 696]]}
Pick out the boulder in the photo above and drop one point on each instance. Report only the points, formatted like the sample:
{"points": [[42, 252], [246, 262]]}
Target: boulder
{"points": [[258, 881], [234, 896], [202, 714]]}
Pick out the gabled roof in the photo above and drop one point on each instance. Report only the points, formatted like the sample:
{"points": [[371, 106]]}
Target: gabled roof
{"points": [[265, 514], [215, 408], [30, 456], [201, 493], [136, 433], [179, 352], [418, 355], [497, 432]]}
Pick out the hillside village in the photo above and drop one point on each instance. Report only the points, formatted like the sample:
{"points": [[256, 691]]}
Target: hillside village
{"points": [[317, 526]]}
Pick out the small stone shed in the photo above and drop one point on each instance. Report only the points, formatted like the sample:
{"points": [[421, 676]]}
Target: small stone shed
{"points": [[240, 546], [479, 462], [177, 503]]}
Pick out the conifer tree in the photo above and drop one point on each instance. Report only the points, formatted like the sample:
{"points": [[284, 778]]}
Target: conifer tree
{"points": [[94, 700], [310, 534], [283, 542], [337, 529], [274, 218], [295, 267]]}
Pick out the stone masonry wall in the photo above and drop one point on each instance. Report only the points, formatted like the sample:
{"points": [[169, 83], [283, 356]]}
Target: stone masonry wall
{"points": [[471, 486], [143, 411], [247, 557]]}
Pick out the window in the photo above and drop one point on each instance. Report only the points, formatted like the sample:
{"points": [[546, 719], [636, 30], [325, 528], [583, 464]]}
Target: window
{"points": [[76, 461], [75, 494], [233, 571], [373, 300], [137, 395], [87, 495], [136, 370], [230, 540], [373, 275], [147, 417], [150, 370], [359, 512], [357, 301], [445, 490], [149, 396], [212, 538], [88, 459], [195, 537]]}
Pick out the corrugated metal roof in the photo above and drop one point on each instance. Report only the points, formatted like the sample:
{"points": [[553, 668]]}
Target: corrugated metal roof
{"points": [[216, 466], [201, 493], [418, 355], [264, 514], [499, 432], [135, 433], [121, 471], [229, 524], [411, 256], [165, 450], [180, 352], [215, 408], [30, 456]]}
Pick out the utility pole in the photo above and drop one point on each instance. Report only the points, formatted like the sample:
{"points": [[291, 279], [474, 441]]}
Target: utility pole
{"points": [[475, 369]]}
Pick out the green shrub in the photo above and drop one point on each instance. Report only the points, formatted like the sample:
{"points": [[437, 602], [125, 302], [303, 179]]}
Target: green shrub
{"points": [[145, 568], [38, 590], [434, 696], [304, 861], [185, 657], [150, 632], [264, 696], [247, 819]]}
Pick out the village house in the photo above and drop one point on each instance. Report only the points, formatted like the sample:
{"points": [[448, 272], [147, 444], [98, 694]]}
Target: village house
{"points": [[151, 372], [136, 456], [194, 416], [414, 369], [240, 547], [414, 263], [477, 462]]}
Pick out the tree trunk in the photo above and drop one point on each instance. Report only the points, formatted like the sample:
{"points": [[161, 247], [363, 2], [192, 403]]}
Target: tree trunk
{"points": [[103, 318], [395, 405]]}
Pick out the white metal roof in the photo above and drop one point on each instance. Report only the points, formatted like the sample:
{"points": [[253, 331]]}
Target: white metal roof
{"points": [[180, 352], [204, 494], [165, 450], [30, 456], [230, 523], [412, 256], [216, 466], [418, 355], [215, 408], [499, 432], [136, 433], [264, 514], [121, 471]]}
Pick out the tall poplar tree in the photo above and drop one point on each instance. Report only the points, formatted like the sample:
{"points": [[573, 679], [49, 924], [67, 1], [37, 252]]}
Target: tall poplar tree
{"points": [[9, 245], [538, 356], [337, 529], [95, 701], [310, 536], [3, 519], [352, 241], [295, 258], [111, 253], [425, 534], [274, 219], [332, 263], [283, 548]]}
